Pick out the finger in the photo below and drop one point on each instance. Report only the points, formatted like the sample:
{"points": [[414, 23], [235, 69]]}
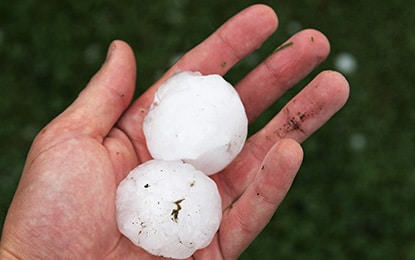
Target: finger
{"points": [[289, 63], [106, 96], [301, 117], [253, 210], [306, 112], [239, 36], [235, 39]]}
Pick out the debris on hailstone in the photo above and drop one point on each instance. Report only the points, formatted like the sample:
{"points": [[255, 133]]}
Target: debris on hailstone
{"points": [[198, 119], [168, 208]]}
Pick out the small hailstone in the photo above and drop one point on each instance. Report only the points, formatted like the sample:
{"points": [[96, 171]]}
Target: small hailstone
{"points": [[357, 142], [168, 208], [198, 119], [346, 63]]}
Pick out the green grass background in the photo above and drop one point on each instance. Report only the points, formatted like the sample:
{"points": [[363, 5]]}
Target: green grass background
{"points": [[346, 203]]}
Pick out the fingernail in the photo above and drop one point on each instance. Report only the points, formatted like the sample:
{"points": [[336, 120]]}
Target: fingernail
{"points": [[111, 49]]}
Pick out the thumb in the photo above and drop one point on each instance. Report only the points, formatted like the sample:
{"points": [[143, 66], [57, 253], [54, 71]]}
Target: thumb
{"points": [[106, 96]]}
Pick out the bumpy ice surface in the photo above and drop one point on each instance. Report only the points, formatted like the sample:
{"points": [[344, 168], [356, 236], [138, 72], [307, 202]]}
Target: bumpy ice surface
{"points": [[168, 208], [198, 119]]}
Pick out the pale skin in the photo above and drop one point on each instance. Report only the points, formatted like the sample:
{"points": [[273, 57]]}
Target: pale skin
{"points": [[64, 204]]}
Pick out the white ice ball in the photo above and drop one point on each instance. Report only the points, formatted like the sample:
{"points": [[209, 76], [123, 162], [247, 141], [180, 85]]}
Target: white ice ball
{"points": [[198, 119], [168, 208]]}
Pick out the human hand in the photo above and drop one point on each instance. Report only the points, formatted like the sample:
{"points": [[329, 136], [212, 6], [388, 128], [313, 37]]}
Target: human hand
{"points": [[64, 206]]}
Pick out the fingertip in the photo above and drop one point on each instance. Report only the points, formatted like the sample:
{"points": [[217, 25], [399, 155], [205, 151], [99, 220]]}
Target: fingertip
{"points": [[122, 54], [319, 41], [118, 46], [287, 151], [342, 86], [338, 90], [290, 146], [279, 168], [119, 69], [265, 11]]}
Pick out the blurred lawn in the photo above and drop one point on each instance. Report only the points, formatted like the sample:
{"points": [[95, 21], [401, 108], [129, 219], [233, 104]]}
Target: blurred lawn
{"points": [[355, 193]]}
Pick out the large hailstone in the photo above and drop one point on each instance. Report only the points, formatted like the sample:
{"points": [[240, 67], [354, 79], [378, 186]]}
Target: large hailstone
{"points": [[198, 119], [168, 208]]}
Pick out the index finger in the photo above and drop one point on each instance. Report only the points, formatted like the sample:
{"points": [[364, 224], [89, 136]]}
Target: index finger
{"points": [[235, 39], [239, 36]]}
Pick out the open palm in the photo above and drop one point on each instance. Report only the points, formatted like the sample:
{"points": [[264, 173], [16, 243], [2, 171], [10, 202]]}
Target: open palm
{"points": [[64, 205]]}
